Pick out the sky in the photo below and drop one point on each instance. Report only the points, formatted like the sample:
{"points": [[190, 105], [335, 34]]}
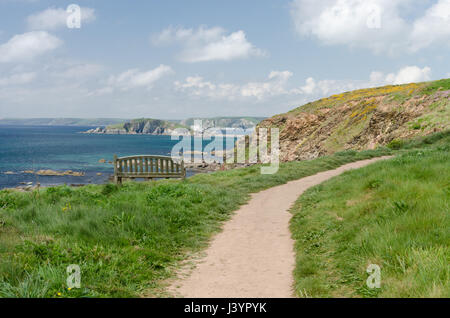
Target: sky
{"points": [[203, 58]]}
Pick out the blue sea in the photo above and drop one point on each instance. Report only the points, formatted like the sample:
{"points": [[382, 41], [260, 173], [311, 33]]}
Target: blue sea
{"points": [[64, 148]]}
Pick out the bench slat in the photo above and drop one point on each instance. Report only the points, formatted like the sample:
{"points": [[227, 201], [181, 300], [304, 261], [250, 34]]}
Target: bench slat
{"points": [[147, 166]]}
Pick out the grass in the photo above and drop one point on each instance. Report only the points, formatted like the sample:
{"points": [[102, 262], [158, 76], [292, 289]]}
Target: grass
{"points": [[126, 240], [129, 240], [443, 84], [393, 213]]}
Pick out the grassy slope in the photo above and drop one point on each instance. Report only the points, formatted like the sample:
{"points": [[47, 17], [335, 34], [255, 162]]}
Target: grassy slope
{"points": [[125, 240], [393, 213], [392, 112]]}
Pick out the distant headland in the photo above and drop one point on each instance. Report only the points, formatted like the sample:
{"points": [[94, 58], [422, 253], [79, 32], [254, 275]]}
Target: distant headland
{"points": [[151, 126]]}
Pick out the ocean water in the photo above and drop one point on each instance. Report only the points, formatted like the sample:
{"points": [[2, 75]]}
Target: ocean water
{"points": [[65, 148]]}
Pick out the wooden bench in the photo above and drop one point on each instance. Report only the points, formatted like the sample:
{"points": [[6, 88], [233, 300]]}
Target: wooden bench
{"points": [[147, 166]]}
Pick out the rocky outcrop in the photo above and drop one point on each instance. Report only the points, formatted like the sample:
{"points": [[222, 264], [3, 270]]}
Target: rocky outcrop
{"points": [[164, 127], [139, 126], [59, 173], [225, 122], [48, 172], [362, 119]]}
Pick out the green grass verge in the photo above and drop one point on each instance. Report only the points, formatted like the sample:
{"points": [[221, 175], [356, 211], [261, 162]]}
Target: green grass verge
{"points": [[443, 84], [393, 213], [126, 240]]}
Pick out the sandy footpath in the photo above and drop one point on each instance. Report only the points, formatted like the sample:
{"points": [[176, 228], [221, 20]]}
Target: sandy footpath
{"points": [[254, 256]]}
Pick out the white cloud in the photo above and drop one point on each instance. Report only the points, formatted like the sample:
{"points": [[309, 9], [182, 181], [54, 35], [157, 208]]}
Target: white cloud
{"points": [[80, 71], [131, 79], [197, 86], [17, 79], [26, 46], [202, 34], [433, 27], [274, 85], [409, 74], [322, 88], [213, 44], [101, 91], [377, 77], [54, 18], [310, 86], [326, 87], [374, 24], [134, 78]]}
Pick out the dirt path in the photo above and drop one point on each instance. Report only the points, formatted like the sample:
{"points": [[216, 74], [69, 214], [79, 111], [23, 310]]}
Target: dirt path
{"points": [[254, 254]]}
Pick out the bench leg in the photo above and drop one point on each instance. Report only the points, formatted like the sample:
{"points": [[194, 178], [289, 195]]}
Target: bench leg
{"points": [[118, 180]]}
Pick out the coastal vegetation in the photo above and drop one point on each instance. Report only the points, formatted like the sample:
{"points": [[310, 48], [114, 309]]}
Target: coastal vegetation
{"points": [[394, 213], [130, 240], [363, 119], [127, 240]]}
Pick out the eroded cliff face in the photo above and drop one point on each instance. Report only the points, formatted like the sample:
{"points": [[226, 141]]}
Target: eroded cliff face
{"points": [[225, 122], [164, 127], [153, 127], [362, 119], [138, 126]]}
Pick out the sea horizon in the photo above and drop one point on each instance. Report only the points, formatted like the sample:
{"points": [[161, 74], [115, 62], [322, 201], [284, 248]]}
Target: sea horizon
{"points": [[28, 148]]}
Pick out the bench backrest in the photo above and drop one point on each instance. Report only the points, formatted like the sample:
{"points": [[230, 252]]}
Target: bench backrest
{"points": [[147, 166]]}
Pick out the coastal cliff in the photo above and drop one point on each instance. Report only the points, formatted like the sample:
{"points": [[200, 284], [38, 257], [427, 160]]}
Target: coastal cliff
{"points": [[225, 122], [165, 127], [363, 119], [139, 126]]}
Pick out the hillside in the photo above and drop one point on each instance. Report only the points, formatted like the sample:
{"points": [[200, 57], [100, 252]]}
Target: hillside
{"points": [[110, 230], [139, 126], [363, 119], [137, 232], [393, 214]]}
